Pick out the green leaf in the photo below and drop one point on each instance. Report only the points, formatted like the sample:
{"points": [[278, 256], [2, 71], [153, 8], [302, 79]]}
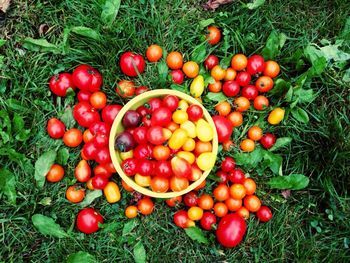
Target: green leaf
{"points": [[206, 22], [2, 42], [281, 142], [90, 197], [216, 96], [304, 95], [279, 87], [67, 118], [346, 77], [292, 181], [332, 52], [273, 45], [255, 4], [139, 253], [43, 165], [47, 226], [196, 234], [85, 32], [5, 122], [199, 54], [274, 162], [110, 11], [40, 45], [300, 115], [16, 105], [129, 226], [225, 62], [162, 71], [346, 30], [8, 185], [18, 126], [178, 87], [81, 257], [62, 156]]}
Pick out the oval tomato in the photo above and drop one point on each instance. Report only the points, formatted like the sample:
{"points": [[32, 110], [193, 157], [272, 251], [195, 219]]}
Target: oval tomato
{"points": [[82, 171], [255, 65], [181, 167], [131, 64], [231, 230], [111, 192], [223, 127], [88, 220], [55, 128], [87, 78], [264, 214]]}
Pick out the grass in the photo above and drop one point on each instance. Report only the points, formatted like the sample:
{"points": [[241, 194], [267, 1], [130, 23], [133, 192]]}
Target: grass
{"points": [[312, 225]]}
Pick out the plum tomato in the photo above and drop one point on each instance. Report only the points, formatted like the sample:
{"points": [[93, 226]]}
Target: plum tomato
{"points": [[55, 128], [231, 230]]}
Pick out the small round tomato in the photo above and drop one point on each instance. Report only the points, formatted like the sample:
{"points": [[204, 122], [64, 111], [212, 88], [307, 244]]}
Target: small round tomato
{"points": [[243, 78], [129, 166], [180, 116], [143, 151], [155, 135], [161, 117], [88, 220], [215, 87], [221, 192], [55, 128], [243, 212], [235, 118], [233, 204], [140, 135], [98, 100], [154, 53], [132, 64], [205, 202], [159, 184], [223, 127], [231, 230], [131, 211], [75, 194], [237, 191], [84, 95], [145, 167], [87, 136], [145, 206], [211, 61], [239, 62], [189, 145], [191, 199], [87, 78], [191, 69], [252, 203], [208, 220], [227, 145], [228, 164], [174, 60], [178, 183], [222, 175], [236, 176], [230, 74], [90, 150], [131, 119], [268, 140], [154, 104], [223, 108], [102, 156], [242, 104], [261, 102], [247, 145], [161, 152], [272, 69], [102, 170], [60, 83], [264, 214], [195, 213], [171, 102], [220, 209], [218, 73], [255, 64], [264, 84], [195, 112], [181, 219], [255, 133], [276, 116], [73, 137], [250, 92], [55, 174], [250, 186], [230, 88], [172, 202], [177, 76], [214, 35], [163, 168], [125, 88], [85, 114], [99, 182]]}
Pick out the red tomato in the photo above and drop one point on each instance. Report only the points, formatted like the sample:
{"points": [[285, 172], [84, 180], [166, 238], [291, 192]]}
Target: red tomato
{"points": [[181, 167], [82, 171], [145, 206], [85, 115], [211, 61], [90, 150], [59, 84], [140, 90], [102, 170], [88, 220], [155, 135], [75, 194], [129, 61], [223, 127], [110, 112], [87, 78], [140, 135], [264, 214], [222, 175], [231, 230], [228, 164], [171, 102], [153, 104], [142, 110], [73, 137], [243, 78], [84, 95], [268, 140], [125, 88], [102, 156], [161, 117], [129, 166], [221, 192], [250, 92], [236, 176], [145, 167], [99, 182], [214, 35], [172, 202], [195, 112], [177, 76], [55, 128], [181, 219], [163, 168], [146, 121], [208, 220], [231, 88], [191, 199], [143, 151], [100, 127], [256, 64], [261, 102]]}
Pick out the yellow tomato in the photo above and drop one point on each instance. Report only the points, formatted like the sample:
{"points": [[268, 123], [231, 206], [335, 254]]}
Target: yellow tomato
{"points": [[177, 139], [189, 145], [276, 116], [190, 128], [142, 180], [195, 213], [167, 133], [206, 161], [126, 155], [111, 192], [180, 116], [188, 156], [197, 86], [204, 131], [183, 105]]}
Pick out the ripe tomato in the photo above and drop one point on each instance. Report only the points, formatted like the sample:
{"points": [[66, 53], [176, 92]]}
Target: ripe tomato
{"points": [[172, 202], [129, 166], [180, 116], [261, 102], [191, 69], [233, 204], [231, 230], [89, 184], [55, 128], [127, 187], [276, 116], [131, 211], [87, 136], [59, 84], [211, 61], [255, 65], [88, 220], [154, 53], [223, 127], [73, 137], [230, 74], [110, 167], [242, 104], [140, 135], [161, 117], [223, 108], [191, 199], [140, 90], [208, 220], [85, 114], [159, 184], [111, 192], [181, 167], [153, 104], [268, 140], [181, 219], [131, 64], [195, 213], [264, 214], [177, 139], [178, 183], [228, 164], [255, 133], [143, 181], [214, 35], [99, 182], [171, 102], [102, 170], [215, 87], [194, 112], [75, 194], [174, 60], [82, 171], [163, 168], [145, 167], [250, 92], [55, 174], [236, 176], [237, 191], [90, 150], [239, 62], [218, 73], [155, 135], [231, 88], [87, 78], [222, 175], [84, 95], [205, 202], [243, 212], [264, 84], [227, 145], [177, 76], [143, 151], [236, 118], [189, 145], [220, 209], [221, 192], [125, 88], [103, 156], [272, 69], [252, 203], [145, 206], [243, 78], [98, 100], [250, 186], [196, 173], [247, 145]]}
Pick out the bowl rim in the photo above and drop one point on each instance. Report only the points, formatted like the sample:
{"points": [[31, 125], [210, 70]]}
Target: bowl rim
{"points": [[117, 121]]}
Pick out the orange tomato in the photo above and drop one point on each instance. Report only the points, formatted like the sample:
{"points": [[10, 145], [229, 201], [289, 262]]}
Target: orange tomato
{"points": [[255, 133], [250, 186], [89, 184], [161, 152], [75, 194], [227, 145], [174, 60], [243, 212], [247, 145], [218, 73], [55, 173], [131, 211], [272, 69], [145, 206], [252, 203], [172, 202], [195, 213], [87, 136], [233, 204], [220, 209], [202, 147], [230, 74], [214, 35], [154, 53], [239, 62], [242, 104], [215, 87], [221, 192], [205, 202], [125, 88], [73, 137], [83, 156], [98, 100], [264, 83], [261, 102], [191, 69], [172, 126], [178, 183], [159, 184], [223, 108], [237, 191], [127, 187], [236, 118]]}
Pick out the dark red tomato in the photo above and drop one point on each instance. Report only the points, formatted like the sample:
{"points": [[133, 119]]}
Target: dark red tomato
{"points": [[140, 90], [131, 119], [59, 84], [153, 104], [236, 176], [99, 182], [222, 175], [250, 92], [125, 142], [129, 166], [208, 220], [88, 220], [142, 110], [181, 218], [243, 78], [55, 128], [163, 168], [140, 135], [146, 121], [231, 230], [85, 115], [110, 112], [228, 164], [100, 128], [264, 214], [161, 117], [171, 102], [143, 151], [102, 156], [195, 112], [230, 88], [268, 140], [177, 76], [90, 150], [155, 135], [211, 61], [87, 78], [191, 199], [131, 64], [256, 64], [84, 95], [101, 140], [145, 167], [223, 127]]}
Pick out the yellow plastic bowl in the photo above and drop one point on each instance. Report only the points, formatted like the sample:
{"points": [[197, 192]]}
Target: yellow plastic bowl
{"points": [[117, 128]]}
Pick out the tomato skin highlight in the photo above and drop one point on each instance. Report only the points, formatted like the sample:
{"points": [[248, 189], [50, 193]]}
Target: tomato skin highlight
{"points": [[88, 220], [231, 230]]}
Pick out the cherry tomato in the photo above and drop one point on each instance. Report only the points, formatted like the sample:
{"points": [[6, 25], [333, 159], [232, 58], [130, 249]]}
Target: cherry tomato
{"points": [[230, 74], [264, 84], [202, 147], [143, 151], [243, 78], [220, 209], [191, 199], [171, 102], [208, 220], [223, 108], [252, 203], [111, 192], [140, 135], [172, 202], [239, 62], [153, 104], [161, 117], [236, 176], [87, 136], [155, 135], [161, 152], [233, 204], [98, 100], [131, 64], [174, 60], [131, 211], [145, 206], [99, 182], [159, 184], [250, 186], [129, 166], [230, 88], [223, 127], [227, 145], [87, 78], [145, 167], [60, 83], [55, 128], [85, 115], [73, 137], [261, 102], [110, 112], [237, 191], [195, 112], [231, 230], [215, 87], [264, 214], [242, 104], [88, 220], [268, 140], [102, 170], [191, 69], [272, 69], [103, 156], [255, 65], [163, 168], [143, 181], [84, 95], [181, 219], [211, 61], [180, 167], [221, 192], [125, 88], [276, 116], [177, 139], [82, 171], [154, 53], [75, 194], [214, 35], [222, 175], [55, 174], [140, 90], [228, 164], [218, 73], [90, 150], [177, 76], [247, 145], [195, 213], [178, 183], [255, 133], [235, 118], [205, 202], [250, 92]]}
